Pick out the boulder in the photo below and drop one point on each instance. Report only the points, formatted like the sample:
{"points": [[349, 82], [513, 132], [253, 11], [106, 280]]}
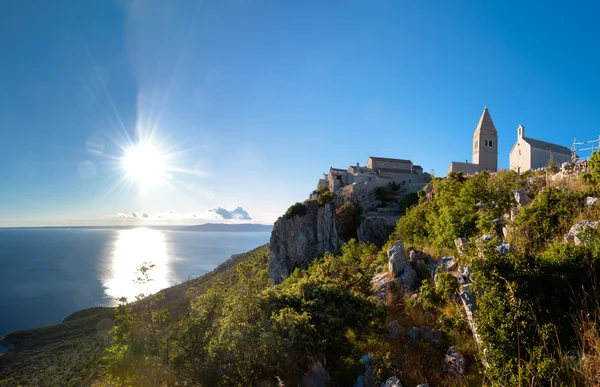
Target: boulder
{"points": [[381, 283], [408, 278], [422, 385], [368, 379], [590, 201], [521, 198], [454, 363], [503, 248], [414, 336], [316, 376], [575, 234], [397, 259], [446, 264], [392, 382], [395, 331]]}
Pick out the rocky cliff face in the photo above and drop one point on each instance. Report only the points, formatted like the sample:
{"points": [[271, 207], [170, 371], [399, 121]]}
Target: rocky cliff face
{"points": [[297, 240]]}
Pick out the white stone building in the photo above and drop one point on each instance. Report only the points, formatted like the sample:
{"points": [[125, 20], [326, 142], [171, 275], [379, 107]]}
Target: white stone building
{"points": [[485, 148], [529, 153]]}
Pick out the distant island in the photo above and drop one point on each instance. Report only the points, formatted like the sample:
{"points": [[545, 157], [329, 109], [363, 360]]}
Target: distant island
{"points": [[220, 227]]}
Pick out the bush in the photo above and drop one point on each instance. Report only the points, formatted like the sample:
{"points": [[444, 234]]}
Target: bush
{"points": [[325, 195], [297, 209], [550, 215]]}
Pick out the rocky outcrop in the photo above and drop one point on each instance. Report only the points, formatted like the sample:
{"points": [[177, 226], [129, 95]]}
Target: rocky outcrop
{"points": [[376, 229], [521, 198], [454, 363], [316, 376], [395, 331], [298, 240], [392, 382], [577, 231], [399, 268]]}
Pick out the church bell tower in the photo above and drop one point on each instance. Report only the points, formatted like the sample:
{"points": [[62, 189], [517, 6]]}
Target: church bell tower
{"points": [[485, 143]]}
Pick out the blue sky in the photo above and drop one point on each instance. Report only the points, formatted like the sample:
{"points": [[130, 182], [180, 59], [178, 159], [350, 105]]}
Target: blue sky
{"points": [[253, 100]]}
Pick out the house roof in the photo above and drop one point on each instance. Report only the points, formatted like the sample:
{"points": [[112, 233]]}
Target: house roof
{"points": [[548, 146], [390, 160], [485, 122], [337, 169]]}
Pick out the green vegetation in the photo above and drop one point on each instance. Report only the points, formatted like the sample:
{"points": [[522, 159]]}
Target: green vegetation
{"points": [[297, 209], [325, 195], [538, 318], [538, 304]]}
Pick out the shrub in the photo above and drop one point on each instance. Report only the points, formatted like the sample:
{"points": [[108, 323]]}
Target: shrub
{"points": [[325, 195], [297, 209]]}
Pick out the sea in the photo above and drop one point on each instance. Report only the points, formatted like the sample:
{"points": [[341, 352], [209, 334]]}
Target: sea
{"points": [[48, 273]]}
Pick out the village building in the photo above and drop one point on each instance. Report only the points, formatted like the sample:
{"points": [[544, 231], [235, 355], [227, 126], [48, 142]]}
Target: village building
{"points": [[485, 148], [380, 170], [529, 153]]}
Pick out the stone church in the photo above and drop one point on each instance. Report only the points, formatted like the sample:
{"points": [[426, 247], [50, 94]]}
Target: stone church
{"points": [[485, 148], [529, 153]]}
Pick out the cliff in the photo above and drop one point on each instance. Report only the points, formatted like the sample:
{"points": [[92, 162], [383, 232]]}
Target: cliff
{"points": [[296, 240]]}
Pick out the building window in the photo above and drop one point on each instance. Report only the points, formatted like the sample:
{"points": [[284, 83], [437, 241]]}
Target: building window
{"points": [[490, 142], [409, 181], [486, 142]]}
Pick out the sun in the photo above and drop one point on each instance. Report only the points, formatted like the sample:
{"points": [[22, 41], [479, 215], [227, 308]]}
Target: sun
{"points": [[144, 163]]}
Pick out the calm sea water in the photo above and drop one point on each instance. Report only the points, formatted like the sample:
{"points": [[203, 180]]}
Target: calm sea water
{"points": [[46, 274]]}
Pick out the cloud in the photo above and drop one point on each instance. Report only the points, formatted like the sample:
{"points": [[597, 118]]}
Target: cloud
{"points": [[134, 215], [239, 213]]}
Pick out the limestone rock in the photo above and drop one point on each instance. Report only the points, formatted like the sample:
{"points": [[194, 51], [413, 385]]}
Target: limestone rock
{"points": [[298, 240], [590, 201], [316, 376], [575, 233], [461, 245], [446, 264], [397, 259], [521, 198], [380, 282], [395, 331], [392, 382], [429, 192], [408, 278], [368, 379], [376, 229], [454, 363], [503, 248]]}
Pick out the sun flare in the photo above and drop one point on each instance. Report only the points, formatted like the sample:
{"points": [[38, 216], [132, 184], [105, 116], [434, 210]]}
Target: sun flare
{"points": [[144, 163]]}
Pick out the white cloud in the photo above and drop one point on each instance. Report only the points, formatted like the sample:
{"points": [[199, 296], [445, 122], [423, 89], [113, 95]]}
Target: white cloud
{"points": [[239, 213]]}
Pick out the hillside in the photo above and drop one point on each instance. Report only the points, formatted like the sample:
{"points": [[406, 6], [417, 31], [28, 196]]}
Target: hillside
{"points": [[485, 280]]}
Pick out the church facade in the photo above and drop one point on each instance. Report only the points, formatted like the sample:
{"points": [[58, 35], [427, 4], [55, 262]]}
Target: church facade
{"points": [[485, 148], [529, 153]]}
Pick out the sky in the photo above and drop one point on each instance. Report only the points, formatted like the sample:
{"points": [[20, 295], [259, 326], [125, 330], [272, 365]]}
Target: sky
{"points": [[249, 102]]}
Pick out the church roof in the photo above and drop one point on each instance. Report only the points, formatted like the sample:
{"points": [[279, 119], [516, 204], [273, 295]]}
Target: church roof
{"points": [[485, 122], [390, 160], [548, 146]]}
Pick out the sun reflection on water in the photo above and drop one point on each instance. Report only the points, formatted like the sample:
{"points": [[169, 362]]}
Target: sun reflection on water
{"points": [[134, 248]]}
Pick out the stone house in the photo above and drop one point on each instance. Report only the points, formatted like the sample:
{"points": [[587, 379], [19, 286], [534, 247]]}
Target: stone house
{"points": [[485, 148], [529, 153], [400, 171]]}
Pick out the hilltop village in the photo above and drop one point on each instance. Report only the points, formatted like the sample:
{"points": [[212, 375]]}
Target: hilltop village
{"points": [[527, 153]]}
